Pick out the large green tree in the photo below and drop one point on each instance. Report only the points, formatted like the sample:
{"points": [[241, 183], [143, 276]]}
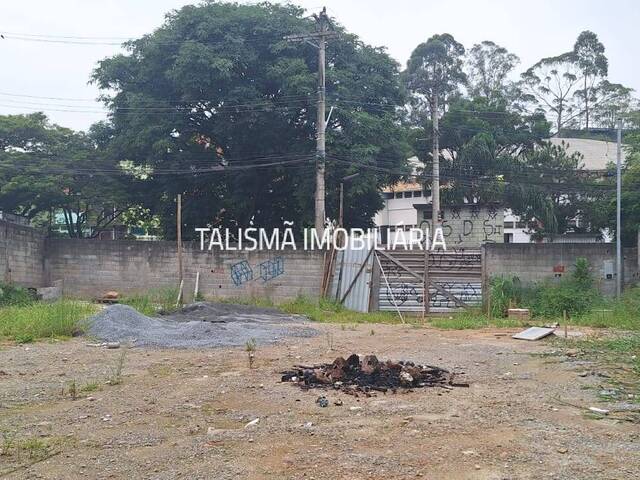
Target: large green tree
{"points": [[46, 170], [221, 108]]}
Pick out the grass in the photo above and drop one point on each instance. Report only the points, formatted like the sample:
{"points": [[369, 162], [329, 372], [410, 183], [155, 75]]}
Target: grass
{"points": [[471, 319], [325, 311], [26, 323], [153, 302]]}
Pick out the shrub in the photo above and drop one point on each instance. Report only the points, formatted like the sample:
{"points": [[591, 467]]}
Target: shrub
{"points": [[14, 295], [574, 294]]}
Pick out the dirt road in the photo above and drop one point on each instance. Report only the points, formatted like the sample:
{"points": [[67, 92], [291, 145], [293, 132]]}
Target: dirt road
{"points": [[182, 413]]}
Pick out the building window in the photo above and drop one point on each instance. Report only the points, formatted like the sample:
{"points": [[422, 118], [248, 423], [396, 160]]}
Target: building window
{"points": [[387, 195], [508, 238], [417, 193], [408, 194], [398, 194], [508, 224]]}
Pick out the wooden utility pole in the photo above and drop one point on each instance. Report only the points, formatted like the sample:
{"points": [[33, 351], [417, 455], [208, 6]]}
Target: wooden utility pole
{"points": [[322, 33], [179, 236]]}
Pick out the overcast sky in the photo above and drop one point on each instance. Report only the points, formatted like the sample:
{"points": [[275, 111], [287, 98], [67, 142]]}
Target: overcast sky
{"points": [[532, 29]]}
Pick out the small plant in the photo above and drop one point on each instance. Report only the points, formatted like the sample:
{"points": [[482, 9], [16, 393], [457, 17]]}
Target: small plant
{"points": [[250, 348], [8, 442], [116, 371], [73, 390], [373, 332], [35, 448], [329, 338], [90, 387]]}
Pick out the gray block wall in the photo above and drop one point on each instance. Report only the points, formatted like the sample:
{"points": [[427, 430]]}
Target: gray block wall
{"points": [[92, 267], [21, 255], [535, 262]]}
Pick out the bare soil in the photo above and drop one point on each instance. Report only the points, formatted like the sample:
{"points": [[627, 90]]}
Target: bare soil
{"points": [[182, 413]]}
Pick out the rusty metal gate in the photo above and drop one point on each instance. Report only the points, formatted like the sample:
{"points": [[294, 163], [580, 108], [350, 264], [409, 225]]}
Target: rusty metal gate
{"points": [[455, 278]]}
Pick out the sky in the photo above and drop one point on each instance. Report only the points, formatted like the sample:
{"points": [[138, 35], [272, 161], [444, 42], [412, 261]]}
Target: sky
{"points": [[532, 29]]}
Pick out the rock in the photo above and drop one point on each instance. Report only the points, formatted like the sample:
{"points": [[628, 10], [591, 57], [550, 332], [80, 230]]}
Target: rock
{"points": [[562, 450], [406, 378], [112, 345], [322, 401], [353, 409], [572, 352], [601, 411], [337, 402], [370, 364]]}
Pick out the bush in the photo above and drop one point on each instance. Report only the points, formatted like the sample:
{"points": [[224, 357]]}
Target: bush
{"points": [[14, 295], [574, 294]]}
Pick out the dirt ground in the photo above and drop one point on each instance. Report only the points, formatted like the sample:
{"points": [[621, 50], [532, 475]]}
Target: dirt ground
{"points": [[182, 413]]}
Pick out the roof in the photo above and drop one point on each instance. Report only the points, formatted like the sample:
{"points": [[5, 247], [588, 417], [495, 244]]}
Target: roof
{"points": [[597, 153]]}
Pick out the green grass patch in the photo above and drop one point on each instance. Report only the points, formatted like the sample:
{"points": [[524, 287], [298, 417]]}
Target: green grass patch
{"points": [[471, 319], [153, 302], [27, 323]]}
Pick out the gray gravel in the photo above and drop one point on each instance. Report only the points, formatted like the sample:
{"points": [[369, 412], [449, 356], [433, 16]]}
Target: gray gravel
{"points": [[199, 325]]}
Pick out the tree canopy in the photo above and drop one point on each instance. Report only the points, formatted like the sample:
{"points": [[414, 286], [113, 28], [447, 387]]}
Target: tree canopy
{"points": [[219, 98]]}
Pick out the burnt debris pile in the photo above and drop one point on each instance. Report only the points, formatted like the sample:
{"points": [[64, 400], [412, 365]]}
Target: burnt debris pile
{"points": [[364, 375]]}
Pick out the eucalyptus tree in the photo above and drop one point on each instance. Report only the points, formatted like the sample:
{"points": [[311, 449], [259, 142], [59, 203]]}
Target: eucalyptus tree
{"points": [[433, 76]]}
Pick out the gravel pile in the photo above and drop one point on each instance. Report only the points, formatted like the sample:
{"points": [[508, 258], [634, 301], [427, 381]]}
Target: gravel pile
{"points": [[198, 325]]}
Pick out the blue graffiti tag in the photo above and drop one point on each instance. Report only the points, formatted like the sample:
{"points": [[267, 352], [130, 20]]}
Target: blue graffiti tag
{"points": [[271, 269], [241, 272]]}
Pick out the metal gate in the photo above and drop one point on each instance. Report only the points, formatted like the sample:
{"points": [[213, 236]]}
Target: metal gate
{"points": [[455, 279]]}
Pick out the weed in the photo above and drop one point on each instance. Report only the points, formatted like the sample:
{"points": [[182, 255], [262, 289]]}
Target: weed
{"points": [[154, 301], [470, 319], [90, 387], [329, 338], [12, 295], [250, 348], [26, 323], [35, 448], [373, 332], [8, 441], [73, 390], [116, 371]]}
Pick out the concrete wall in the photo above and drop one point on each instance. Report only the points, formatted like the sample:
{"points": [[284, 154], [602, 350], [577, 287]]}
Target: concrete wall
{"points": [[92, 267], [535, 262], [21, 255]]}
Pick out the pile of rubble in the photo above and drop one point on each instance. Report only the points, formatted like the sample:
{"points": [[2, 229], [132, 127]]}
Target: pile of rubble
{"points": [[355, 375]]}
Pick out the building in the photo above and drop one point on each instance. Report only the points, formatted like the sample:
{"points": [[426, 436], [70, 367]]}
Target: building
{"points": [[405, 203]]}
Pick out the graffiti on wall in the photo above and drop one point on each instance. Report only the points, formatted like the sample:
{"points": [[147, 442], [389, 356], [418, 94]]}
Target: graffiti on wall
{"points": [[471, 225], [242, 272]]}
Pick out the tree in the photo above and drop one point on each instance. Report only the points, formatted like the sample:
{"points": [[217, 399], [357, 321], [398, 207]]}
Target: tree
{"points": [[613, 101], [549, 189], [594, 66], [553, 83], [489, 66], [434, 74], [217, 96], [49, 169]]}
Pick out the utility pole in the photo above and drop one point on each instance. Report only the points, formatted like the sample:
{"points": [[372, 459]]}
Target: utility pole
{"points": [[324, 31], [435, 182], [618, 211], [179, 237]]}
